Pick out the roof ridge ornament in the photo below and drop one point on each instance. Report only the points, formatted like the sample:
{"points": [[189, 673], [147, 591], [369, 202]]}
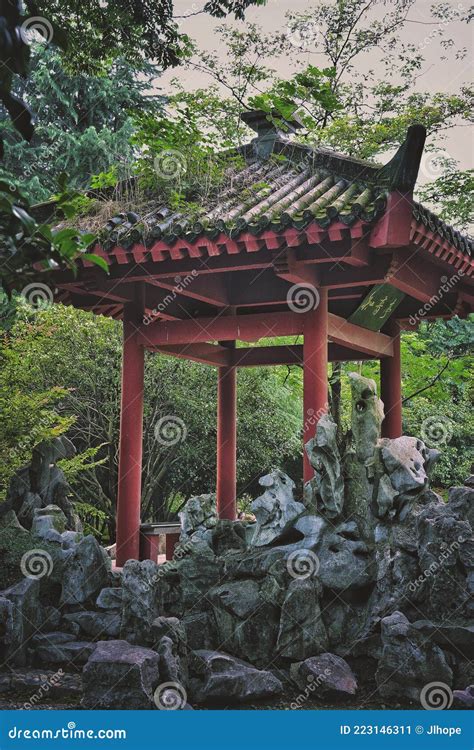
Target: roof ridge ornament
{"points": [[270, 127], [401, 172]]}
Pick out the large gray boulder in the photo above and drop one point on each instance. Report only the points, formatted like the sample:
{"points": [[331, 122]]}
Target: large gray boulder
{"points": [[367, 416], [21, 613], [302, 632], [326, 675], [325, 492], [198, 518], [85, 572], [409, 661], [218, 677], [247, 615], [276, 510], [140, 600], [96, 624], [120, 676]]}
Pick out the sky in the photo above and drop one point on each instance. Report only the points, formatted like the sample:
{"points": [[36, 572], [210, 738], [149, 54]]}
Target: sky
{"points": [[438, 75]]}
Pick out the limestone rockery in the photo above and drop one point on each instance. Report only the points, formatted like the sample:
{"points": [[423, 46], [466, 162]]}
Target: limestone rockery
{"points": [[368, 577]]}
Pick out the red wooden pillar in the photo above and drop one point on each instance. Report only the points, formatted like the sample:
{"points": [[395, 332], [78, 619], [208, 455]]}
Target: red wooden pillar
{"points": [[226, 442], [131, 436], [171, 541], [391, 386], [315, 373]]}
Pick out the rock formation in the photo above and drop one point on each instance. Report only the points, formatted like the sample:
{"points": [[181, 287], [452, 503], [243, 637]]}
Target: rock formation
{"points": [[371, 577]]}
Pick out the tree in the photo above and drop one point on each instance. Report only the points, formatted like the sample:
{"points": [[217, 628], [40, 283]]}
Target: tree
{"points": [[84, 123]]}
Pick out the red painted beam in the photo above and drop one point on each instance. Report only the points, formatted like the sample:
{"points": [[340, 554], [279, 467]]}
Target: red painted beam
{"points": [[130, 444], [258, 326], [391, 386], [291, 354], [360, 339], [315, 374], [207, 354], [223, 328]]}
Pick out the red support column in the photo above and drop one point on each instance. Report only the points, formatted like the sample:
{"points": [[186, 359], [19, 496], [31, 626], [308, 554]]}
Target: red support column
{"points": [[171, 541], [226, 442], [315, 373], [391, 386], [131, 436]]}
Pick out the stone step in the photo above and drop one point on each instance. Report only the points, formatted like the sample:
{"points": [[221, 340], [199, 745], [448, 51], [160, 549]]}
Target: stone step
{"points": [[70, 652], [39, 683]]}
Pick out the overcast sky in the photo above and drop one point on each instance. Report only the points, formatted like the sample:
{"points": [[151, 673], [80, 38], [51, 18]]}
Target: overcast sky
{"points": [[446, 76]]}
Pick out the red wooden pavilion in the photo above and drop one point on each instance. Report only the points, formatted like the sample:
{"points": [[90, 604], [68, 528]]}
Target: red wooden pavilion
{"points": [[299, 241]]}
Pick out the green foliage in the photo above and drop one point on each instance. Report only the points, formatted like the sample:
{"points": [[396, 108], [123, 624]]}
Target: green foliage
{"points": [[14, 543], [83, 123], [94, 521]]}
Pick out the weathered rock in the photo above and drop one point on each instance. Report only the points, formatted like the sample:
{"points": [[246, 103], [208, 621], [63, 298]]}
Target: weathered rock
{"points": [[228, 536], [42, 483], [302, 632], [39, 684], [198, 518], [170, 662], [85, 572], [275, 510], [246, 614], [344, 559], [10, 520], [461, 503], [110, 598], [464, 698], [446, 560], [450, 636], [49, 518], [200, 630], [407, 462], [198, 571], [120, 676], [70, 652], [367, 416], [21, 620], [70, 538], [325, 492], [140, 600], [97, 624], [326, 675], [469, 482], [409, 660], [27, 508], [218, 677], [52, 638]]}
